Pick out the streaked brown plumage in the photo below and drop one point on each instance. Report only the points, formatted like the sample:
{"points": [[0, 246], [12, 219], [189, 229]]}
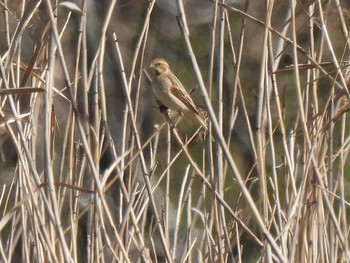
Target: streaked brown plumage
{"points": [[171, 93]]}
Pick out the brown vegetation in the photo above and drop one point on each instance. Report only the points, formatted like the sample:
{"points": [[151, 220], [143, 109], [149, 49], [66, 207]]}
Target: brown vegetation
{"points": [[92, 172]]}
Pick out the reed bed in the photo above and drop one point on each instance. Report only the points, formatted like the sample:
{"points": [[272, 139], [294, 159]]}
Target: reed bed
{"points": [[92, 171]]}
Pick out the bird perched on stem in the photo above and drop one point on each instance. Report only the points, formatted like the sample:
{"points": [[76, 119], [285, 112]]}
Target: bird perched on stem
{"points": [[170, 92]]}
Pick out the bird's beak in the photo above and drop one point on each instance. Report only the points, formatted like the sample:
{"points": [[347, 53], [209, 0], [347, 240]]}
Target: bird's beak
{"points": [[152, 65]]}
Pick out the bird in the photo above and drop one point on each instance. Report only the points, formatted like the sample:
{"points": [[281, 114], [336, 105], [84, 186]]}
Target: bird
{"points": [[170, 93]]}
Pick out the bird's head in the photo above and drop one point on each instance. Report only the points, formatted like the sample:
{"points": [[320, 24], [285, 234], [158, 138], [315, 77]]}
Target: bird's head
{"points": [[160, 66]]}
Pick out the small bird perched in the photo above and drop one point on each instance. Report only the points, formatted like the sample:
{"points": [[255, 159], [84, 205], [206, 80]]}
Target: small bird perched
{"points": [[170, 92]]}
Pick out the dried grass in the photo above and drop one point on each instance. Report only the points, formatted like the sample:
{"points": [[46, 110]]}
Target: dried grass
{"points": [[287, 202]]}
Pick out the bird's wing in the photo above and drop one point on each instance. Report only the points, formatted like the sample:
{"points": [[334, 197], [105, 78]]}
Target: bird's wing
{"points": [[178, 90]]}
